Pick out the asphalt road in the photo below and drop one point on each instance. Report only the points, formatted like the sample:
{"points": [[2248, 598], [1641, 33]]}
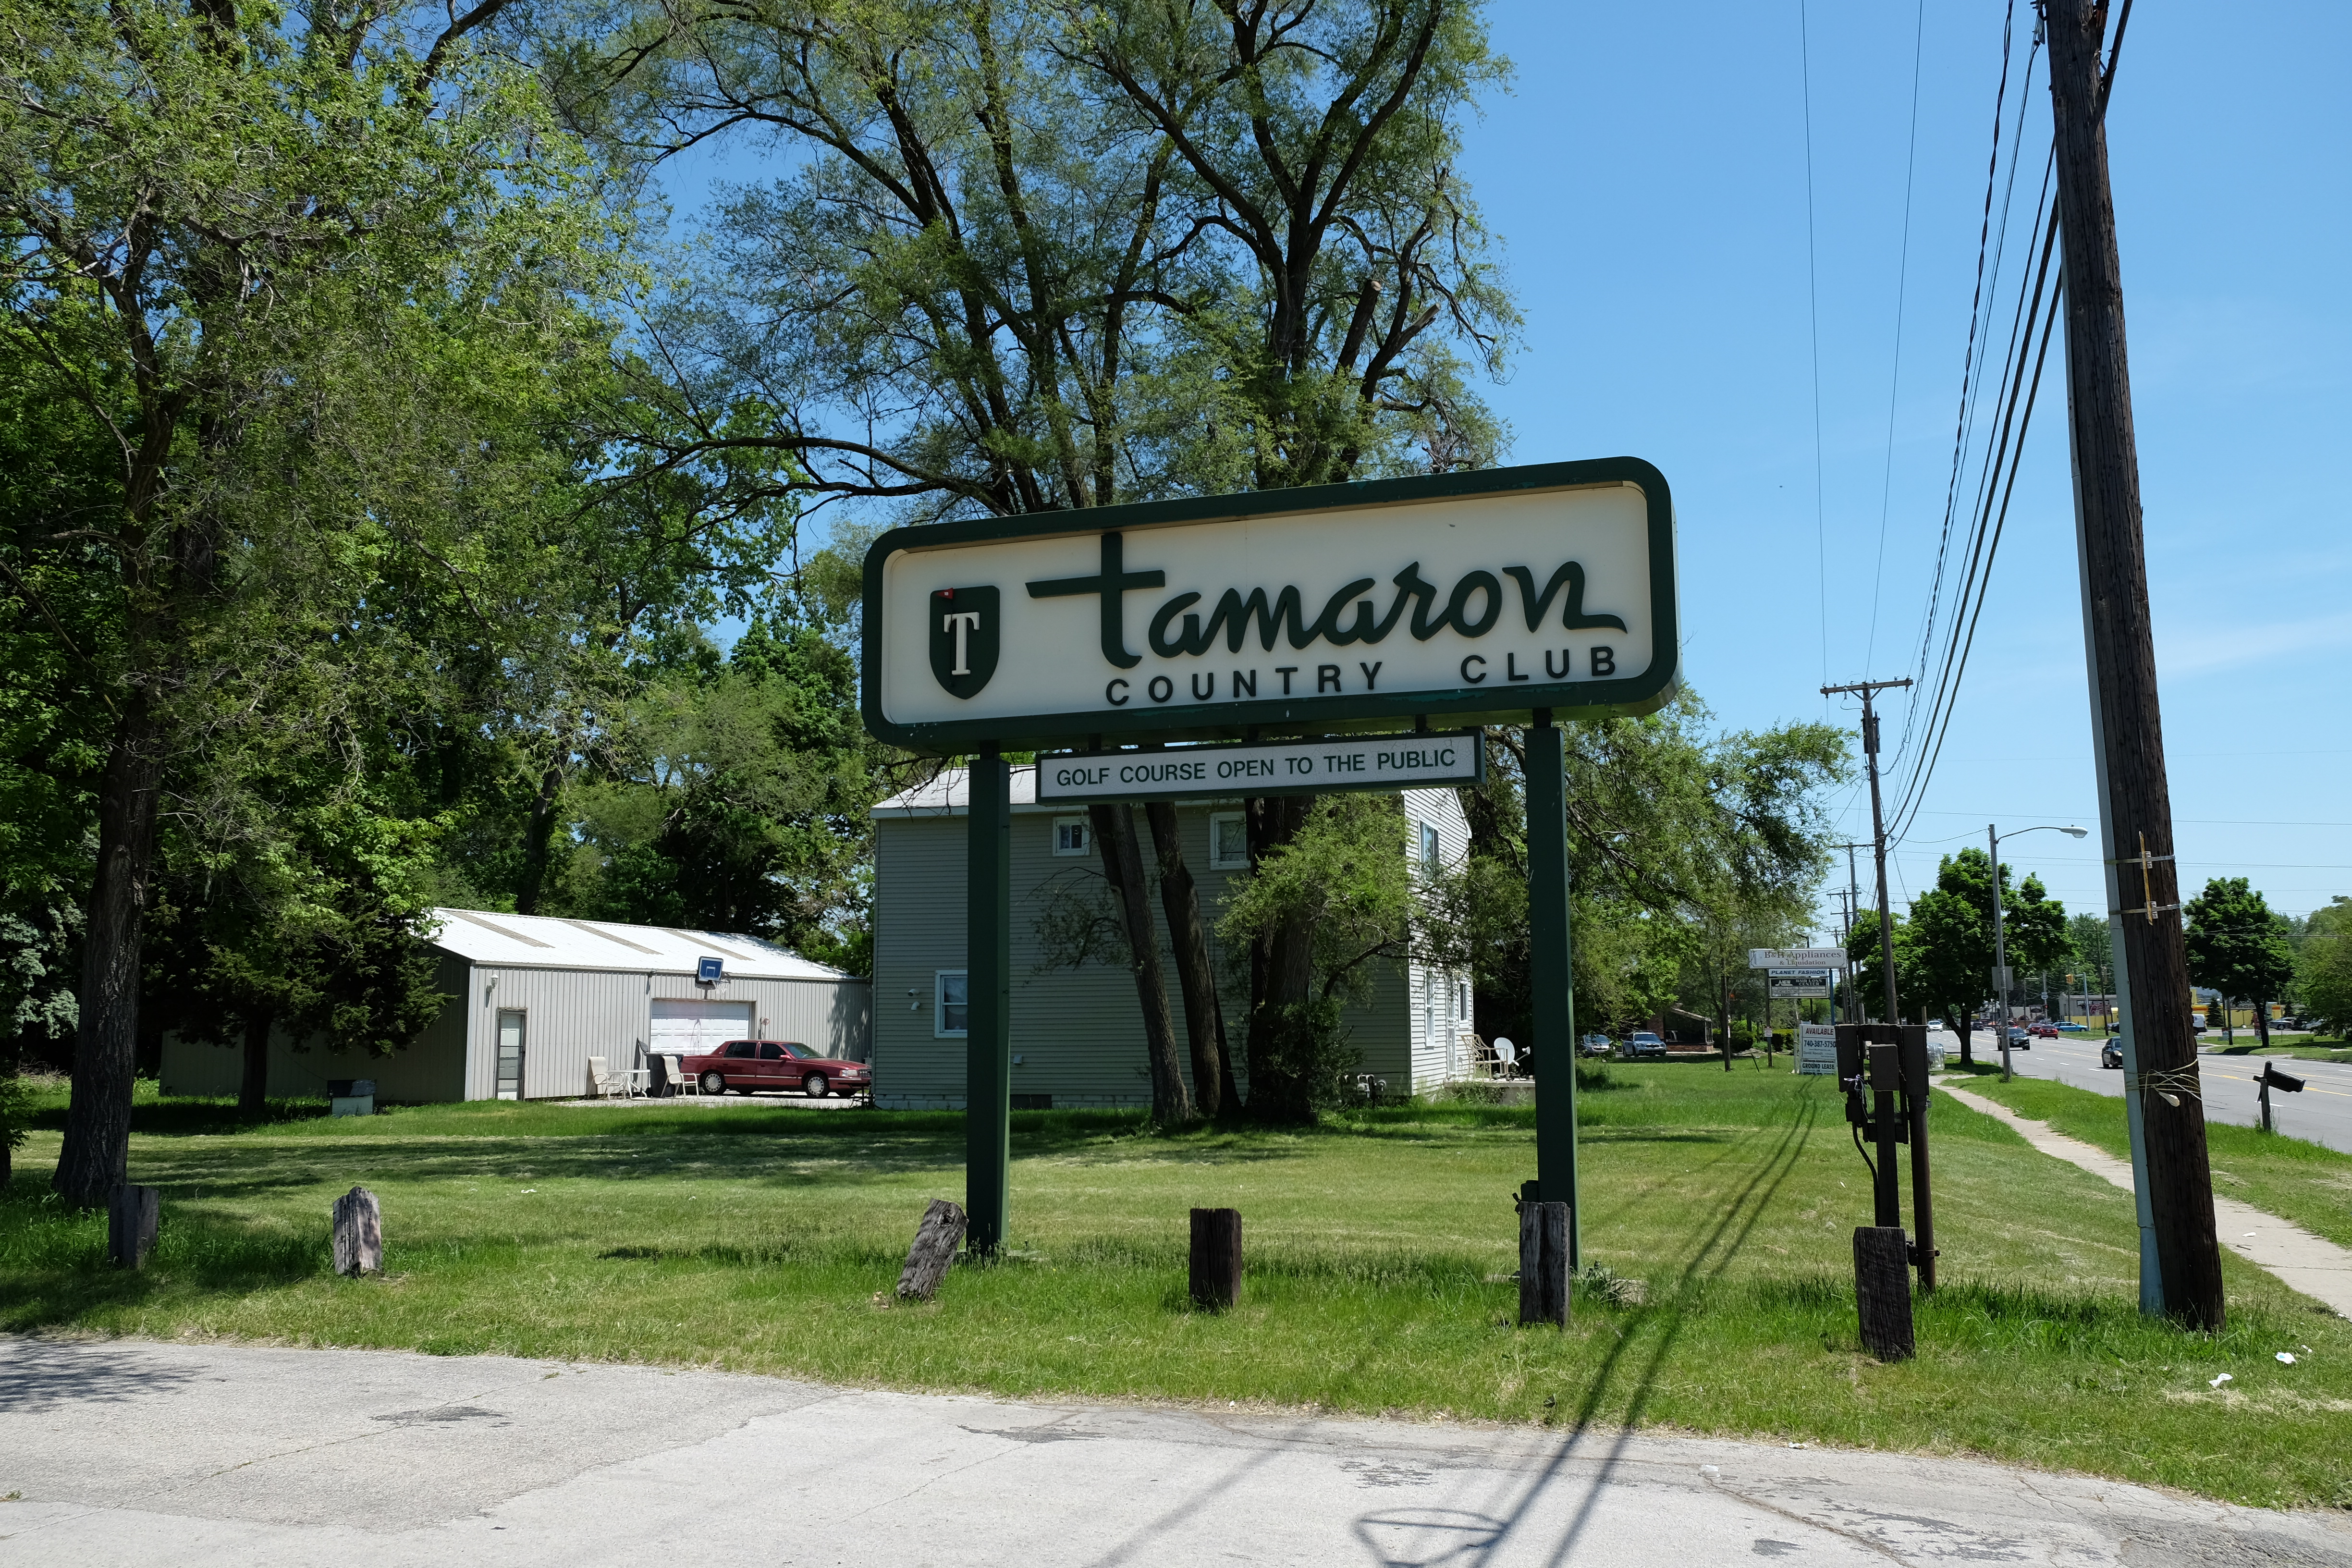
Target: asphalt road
{"points": [[2322, 1113], [124, 1453]]}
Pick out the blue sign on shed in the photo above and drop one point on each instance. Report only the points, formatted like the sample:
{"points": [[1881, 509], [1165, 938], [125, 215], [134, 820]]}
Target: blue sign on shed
{"points": [[710, 971]]}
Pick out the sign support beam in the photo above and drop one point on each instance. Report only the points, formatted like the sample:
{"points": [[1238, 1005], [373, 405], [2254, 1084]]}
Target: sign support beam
{"points": [[987, 995], [1553, 977]]}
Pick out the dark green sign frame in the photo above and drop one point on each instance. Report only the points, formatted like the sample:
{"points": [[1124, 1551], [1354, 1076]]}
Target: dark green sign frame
{"points": [[1642, 693]]}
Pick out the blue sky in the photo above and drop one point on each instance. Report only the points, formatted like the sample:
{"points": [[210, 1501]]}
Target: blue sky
{"points": [[1647, 176]]}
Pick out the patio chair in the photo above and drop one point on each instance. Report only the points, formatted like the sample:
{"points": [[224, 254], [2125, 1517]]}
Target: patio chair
{"points": [[602, 1081]]}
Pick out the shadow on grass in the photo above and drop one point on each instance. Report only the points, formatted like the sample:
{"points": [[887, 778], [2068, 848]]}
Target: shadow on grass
{"points": [[54, 1270], [178, 1118]]}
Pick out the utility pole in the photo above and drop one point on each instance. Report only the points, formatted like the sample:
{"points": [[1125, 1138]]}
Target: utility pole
{"points": [[2172, 1172], [1867, 689], [1853, 897]]}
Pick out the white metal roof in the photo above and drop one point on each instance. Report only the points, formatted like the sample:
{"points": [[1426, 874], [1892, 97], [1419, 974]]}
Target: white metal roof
{"points": [[949, 794], [537, 942]]}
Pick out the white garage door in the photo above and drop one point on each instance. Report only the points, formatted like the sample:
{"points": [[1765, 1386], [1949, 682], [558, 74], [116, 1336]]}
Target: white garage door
{"points": [[689, 1028]]}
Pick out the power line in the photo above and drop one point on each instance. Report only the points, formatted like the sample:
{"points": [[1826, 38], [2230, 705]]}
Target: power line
{"points": [[1902, 286], [1813, 303]]}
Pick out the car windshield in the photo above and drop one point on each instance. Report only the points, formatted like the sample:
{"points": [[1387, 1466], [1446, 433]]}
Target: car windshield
{"points": [[1645, 1038]]}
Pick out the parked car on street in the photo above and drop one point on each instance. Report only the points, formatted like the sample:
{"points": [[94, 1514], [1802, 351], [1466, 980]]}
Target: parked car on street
{"points": [[2110, 1054], [1642, 1043], [746, 1066], [2072, 1027], [1598, 1045]]}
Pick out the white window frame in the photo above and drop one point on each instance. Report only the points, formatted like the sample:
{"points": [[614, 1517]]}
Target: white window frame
{"points": [[1218, 863], [1433, 846], [939, 1004], [1085, 834]]}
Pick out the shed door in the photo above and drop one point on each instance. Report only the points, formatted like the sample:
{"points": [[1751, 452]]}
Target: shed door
{"points": [[509, 1086], [689, 1028]]}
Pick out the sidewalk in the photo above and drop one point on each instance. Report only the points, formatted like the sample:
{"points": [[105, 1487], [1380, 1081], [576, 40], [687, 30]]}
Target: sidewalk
{"points": [[2318, 1267], [129, 1453]]}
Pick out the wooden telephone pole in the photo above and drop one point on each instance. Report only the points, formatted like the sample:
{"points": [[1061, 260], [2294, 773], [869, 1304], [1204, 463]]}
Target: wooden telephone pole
{"points": [[2175, 1178], [1866, 689]]}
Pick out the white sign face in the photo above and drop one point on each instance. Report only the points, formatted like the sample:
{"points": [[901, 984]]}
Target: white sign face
{"points": [[1296, 767], [1798, 982], [1796, 958], [1493, 594], [1817, 1049]]}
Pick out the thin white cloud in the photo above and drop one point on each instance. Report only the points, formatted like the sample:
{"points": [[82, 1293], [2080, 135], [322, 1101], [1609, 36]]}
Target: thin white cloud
{"points": [[2206, 649]]}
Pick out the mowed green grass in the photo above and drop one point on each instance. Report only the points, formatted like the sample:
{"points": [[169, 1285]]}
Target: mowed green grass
{"points": [[767, 1238], [2292, 1178]]}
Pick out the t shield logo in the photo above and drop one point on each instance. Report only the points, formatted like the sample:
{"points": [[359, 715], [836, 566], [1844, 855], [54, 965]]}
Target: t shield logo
{"points": [[964, 638]]}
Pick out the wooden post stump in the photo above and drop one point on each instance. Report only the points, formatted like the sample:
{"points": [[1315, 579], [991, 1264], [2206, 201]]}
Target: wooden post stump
{"points": [[132, 1217], [1217, 1257], [936, 1240], [1543, 1264], [1882, 1290], [359, 1233]]}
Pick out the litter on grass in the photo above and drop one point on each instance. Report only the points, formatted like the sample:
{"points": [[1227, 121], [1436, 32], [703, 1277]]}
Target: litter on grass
{"points": [[2286, 1357], [2218, 1381]]}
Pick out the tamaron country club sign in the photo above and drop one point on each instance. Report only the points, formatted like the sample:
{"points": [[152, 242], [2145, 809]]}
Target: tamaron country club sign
{"points": [[1487, 595]]}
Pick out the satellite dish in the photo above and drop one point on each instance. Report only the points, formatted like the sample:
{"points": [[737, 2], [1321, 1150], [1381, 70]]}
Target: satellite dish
{"points": [[1504, 1048]]}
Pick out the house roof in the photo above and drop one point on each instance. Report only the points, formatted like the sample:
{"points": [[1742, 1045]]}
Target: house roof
{"points": [[537, 942], [949, 794]]}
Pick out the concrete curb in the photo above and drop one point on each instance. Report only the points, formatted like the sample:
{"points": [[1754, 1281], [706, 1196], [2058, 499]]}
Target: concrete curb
{"points": [[2313, 1265]]}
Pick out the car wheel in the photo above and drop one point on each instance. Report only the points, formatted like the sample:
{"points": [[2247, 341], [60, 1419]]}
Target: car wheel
{"points": [[713, 1083], [814, 1086]]}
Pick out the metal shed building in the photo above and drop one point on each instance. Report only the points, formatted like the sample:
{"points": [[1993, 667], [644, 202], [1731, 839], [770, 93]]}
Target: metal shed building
{"points": [[1077, 1033], [530, 999]]}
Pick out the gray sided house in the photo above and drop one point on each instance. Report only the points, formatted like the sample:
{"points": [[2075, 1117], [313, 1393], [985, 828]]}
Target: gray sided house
{"points": [[530, 999], [1077, 1033]]}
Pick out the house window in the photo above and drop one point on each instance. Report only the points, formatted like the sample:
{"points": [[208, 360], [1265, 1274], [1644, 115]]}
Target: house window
{"points": [[1070, 836], [951, 1009], [1429, 846], [1228, 842]]}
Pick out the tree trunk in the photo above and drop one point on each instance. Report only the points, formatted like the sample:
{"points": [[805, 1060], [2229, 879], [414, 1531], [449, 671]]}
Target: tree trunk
{"points": [[2262, 1022], [539, 833], [253, 1087], [97, 1151], [1204, 1026], [1960, 1026], [1122, 857]]}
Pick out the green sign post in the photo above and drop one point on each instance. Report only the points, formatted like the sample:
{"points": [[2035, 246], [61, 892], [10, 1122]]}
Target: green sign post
{"points": [[1281, 618]]}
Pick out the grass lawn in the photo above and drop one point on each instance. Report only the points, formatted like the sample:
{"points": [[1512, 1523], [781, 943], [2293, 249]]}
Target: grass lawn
{"points": [[2292, 1178], [2308, 1047], [766, 1238]]}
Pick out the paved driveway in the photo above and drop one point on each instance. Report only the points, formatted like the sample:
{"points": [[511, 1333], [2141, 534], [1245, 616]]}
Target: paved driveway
{"points": [[126, 1453]]}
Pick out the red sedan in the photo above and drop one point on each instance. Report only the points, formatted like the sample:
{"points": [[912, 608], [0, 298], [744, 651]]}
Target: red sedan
{"points": [[749, 1066]]}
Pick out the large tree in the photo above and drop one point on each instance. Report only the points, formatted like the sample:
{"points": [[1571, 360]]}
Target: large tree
{"points": [[1951, 930], [269, 260], [2237, 946], [1032, 256]]}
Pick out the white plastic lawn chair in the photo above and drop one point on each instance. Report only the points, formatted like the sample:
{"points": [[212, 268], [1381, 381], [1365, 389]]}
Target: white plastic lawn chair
{"points": [[602, 1080]]}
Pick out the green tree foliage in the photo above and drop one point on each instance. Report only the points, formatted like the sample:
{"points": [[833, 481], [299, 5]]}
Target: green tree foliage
{"points": [[1951, 929], [2237, 946], [732, 797], [2323, 967], [1682, 844], [285, 268]]}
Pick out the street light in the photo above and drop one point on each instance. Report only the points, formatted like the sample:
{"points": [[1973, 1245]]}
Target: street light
{"points": [[1999, 945]]}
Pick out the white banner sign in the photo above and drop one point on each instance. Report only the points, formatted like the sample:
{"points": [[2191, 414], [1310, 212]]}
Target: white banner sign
{"points": [[1305, 767], [1817, 1049], [1799, 983], [1490, 594], [1796, 958]]}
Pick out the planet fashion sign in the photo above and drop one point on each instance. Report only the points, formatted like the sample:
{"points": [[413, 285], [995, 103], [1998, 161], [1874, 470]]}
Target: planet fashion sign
{"points": [[1282, 767], [1797, 983], [1487, 595]]}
